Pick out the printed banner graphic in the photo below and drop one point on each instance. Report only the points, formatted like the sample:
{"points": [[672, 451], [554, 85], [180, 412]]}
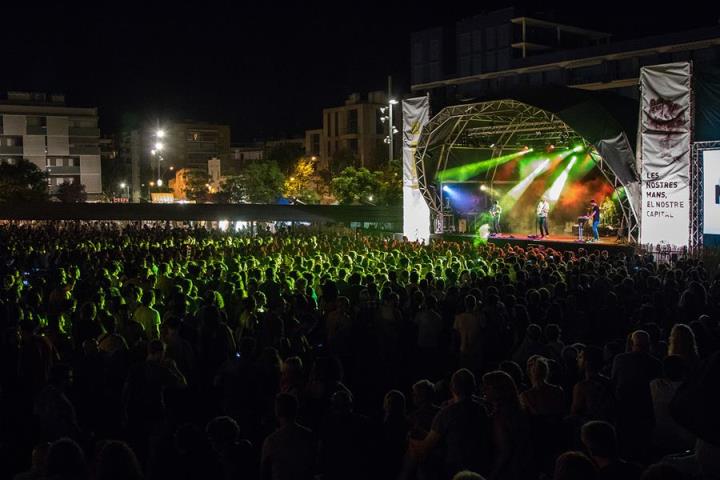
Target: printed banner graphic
{"points": [[416, 213], [665, 140]]}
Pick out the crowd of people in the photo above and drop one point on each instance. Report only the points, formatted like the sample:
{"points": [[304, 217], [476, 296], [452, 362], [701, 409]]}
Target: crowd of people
{"points": [[170, 353]]}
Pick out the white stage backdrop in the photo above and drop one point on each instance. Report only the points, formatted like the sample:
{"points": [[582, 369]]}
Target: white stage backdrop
{"points": [[416, 214], [665, 138], [711, 192]]}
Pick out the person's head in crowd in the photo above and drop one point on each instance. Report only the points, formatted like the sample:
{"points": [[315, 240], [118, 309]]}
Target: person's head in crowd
{"points": [[394, 405], [467, 475], [61, 376], [341, 402], [574, 466], [514, 370], [292, 370], [682, 342], [423, 393], [286, 409], [552, 332], [117, 461], [500, 391], [39, 457], [600, 440], [539, 371], [590, 361], [462, 384], [533, 332], [156, 351], [148, 298], [222, 432], [640, 341], [66, 461]]}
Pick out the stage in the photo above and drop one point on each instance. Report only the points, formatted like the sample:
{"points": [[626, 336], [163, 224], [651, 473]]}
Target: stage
{"points": [[557, 242]]}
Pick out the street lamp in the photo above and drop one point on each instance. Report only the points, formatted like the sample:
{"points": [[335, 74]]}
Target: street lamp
{"points": [[159, 146], [392, 131]]}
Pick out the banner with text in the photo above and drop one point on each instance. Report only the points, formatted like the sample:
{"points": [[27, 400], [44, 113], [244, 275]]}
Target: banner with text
{"points": [[416, 214], [665, 138]]}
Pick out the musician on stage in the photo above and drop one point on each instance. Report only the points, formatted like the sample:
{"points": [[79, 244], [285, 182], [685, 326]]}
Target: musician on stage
{"points": [[495, 212], [543, 209], [595, 216]]}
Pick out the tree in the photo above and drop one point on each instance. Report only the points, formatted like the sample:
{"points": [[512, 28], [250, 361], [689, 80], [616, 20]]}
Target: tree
{"points": [[71, 192], [300, 178], [391, 184], [285, 155], [231, 190], [196, 184], [22, 181], [356, 185], [262, 182]]}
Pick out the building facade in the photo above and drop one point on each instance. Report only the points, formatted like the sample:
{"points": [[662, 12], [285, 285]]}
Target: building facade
{"points": [[62, 141], [354, 128], [478, 57], [240, 155], [191, 145]]}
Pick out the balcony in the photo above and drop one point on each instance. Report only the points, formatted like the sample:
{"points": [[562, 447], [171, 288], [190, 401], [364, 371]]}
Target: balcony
{"points": [[63, 170], [84, 132], [36, 130], [14, 150], [84, 150]]}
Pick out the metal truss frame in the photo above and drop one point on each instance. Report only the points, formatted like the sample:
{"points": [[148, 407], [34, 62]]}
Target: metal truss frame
{"points": [[697, 193]]}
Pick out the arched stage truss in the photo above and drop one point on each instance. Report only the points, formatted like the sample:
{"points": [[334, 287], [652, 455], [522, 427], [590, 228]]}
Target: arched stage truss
{"points": [[502, 126]]}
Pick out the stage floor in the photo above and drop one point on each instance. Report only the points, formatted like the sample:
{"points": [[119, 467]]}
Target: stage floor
{"points": [[558, 242]]}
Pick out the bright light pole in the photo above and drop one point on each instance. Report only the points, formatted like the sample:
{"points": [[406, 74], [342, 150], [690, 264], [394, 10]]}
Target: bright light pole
{"points": [[392, 131], [159, 134]]}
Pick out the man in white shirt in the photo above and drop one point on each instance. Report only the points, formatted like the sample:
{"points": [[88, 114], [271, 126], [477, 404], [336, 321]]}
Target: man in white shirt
{"points": [[542, 213]]}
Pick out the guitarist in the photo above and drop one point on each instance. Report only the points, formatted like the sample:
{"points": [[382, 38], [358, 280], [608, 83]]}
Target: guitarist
{"points": [[495, 212]]}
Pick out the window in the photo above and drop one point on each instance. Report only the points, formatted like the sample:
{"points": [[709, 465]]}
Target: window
{"points": [[353, 146], [36, 121], [315, 145], [12, 141], [352, 121], [70, 162]]}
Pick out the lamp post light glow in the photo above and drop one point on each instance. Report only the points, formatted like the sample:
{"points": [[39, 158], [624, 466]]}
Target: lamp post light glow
{"points": [[160, 133], [160, 182], [158, 146]]}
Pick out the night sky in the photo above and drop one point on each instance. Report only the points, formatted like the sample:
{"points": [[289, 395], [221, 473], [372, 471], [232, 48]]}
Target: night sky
{"points": [[264, 68]]}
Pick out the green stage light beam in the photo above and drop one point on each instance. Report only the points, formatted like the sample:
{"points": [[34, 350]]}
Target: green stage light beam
{"points": [[463, 172], [553, 193]]}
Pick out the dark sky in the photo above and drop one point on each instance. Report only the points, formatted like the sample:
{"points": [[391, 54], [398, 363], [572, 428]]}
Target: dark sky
{"points": [[264, 67]]}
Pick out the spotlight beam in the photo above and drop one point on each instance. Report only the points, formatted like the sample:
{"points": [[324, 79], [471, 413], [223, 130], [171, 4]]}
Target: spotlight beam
{"points": [[553, 193], [463, 172]]}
